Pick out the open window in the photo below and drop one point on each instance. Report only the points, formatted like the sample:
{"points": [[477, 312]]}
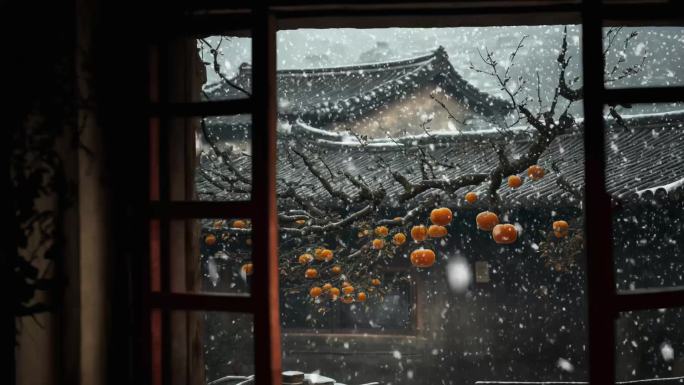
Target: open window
{"points": [[417, 204]]}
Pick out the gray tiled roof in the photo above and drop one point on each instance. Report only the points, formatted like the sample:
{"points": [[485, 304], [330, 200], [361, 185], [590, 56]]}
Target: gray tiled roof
{"points": [[324, 95], [642, 161]]}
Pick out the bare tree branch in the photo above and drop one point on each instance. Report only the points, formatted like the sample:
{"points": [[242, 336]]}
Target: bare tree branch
{"points": [[225, 156], [305, 225], [324, 182], [217, 66]]}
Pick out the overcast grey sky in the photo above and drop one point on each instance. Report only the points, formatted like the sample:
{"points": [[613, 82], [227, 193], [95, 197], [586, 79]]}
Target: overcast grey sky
{"points": [[307, 48]]}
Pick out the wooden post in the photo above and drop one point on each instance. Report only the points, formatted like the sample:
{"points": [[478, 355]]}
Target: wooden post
{"points": [[265, 291]]}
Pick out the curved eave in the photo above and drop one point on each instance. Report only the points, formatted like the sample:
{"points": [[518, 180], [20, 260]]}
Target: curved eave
{"points": [[432, 70], [652, 172]]}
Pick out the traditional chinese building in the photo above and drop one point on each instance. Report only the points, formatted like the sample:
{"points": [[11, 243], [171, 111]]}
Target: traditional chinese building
{"points": [[369, 120]]}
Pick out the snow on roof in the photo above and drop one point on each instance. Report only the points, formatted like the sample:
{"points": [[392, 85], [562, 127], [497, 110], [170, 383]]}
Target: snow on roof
{"points": [[670, 187], [644, 161], [323, 95]]}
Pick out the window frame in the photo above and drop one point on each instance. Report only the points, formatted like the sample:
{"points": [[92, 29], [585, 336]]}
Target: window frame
{"points": [[263, 20]]}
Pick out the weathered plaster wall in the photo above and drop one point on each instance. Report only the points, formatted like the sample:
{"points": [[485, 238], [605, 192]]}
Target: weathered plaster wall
{"points": [[405, 116]]}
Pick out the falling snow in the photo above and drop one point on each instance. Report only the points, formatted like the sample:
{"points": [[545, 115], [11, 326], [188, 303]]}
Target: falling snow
{"points": [[373, 129]]}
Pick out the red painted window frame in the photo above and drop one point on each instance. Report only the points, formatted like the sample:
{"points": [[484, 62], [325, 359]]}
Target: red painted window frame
{"points": [[262, 20]]}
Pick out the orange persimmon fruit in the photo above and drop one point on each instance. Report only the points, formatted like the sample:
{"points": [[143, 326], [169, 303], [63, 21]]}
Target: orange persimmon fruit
{"points": [[322, 254], [504, 234], [419, 233], [514, 181], [435, 231], [305, 258], [560, 229], [422, 258], [210, 240], [486, 220], [441, 216], [239, 224], [471, 197], [327, 255], [311, 273], [315, 291], [399, 239], [535, 172], [248, 269], [381, 231]]}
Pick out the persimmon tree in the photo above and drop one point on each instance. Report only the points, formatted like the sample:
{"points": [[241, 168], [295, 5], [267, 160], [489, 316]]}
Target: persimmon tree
{"points": [[333, 249]]}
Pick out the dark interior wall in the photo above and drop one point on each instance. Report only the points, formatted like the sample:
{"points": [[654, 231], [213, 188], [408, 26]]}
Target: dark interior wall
{"points": [[75, 74], [39, 122], [120, 82]]}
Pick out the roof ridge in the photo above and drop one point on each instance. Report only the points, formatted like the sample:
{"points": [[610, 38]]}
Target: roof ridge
{"points": [[401, 75], [362, 66], [343, 141]]}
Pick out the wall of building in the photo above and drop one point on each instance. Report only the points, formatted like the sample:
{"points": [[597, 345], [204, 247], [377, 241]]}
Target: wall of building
{"points": [[406, 115], [528, 323], [514, 327]]}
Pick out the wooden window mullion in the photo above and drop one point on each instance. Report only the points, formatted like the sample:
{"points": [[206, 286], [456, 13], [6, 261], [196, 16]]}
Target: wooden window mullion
{"points": [[598, 211], [265, 292], [604, 302]]}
